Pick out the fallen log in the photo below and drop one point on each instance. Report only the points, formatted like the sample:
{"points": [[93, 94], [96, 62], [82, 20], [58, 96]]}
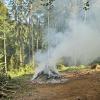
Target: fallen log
{"points": [[11, 87], [8, 91], [2, 94]]}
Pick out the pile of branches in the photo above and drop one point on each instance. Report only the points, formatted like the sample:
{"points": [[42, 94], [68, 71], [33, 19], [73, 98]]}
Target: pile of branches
{"points": [[7, 88]]}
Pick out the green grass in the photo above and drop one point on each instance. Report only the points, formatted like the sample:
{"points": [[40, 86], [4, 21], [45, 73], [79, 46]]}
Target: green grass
{"points": [[30, 70], [21, 71], [70, 68]]}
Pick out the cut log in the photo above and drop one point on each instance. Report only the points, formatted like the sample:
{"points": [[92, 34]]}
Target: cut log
{"points": [[11, 87], [7, 91], [93, 66], [96, 67], [2, 94]]}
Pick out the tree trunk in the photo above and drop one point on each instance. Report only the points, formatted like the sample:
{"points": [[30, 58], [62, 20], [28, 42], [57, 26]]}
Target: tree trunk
{"points": [[32, 47], [37, 44], [5, 56], [21, 56]]}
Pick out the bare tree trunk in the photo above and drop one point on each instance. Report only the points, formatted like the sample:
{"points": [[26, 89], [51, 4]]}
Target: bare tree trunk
{"points": [[31, 44], [32, 47], [21, 57], [37, 44], [29, 41], [5, 55], [21, 47]]}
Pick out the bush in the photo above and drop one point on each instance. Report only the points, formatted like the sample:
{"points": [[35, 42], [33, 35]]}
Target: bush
{"points": [[21, 71], [70, 68]]}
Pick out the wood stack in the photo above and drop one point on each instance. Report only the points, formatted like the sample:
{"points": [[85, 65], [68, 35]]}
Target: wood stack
{"points": [[7, 89]]}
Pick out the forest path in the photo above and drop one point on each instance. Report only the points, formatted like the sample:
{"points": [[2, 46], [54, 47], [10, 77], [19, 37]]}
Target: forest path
{"points": [[82, 85]]}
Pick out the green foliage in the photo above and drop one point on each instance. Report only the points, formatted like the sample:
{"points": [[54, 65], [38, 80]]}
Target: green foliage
{"points": [[46, 3], [70, 68], [22, 35], [3, 9], [86, 6], [21, 71]]}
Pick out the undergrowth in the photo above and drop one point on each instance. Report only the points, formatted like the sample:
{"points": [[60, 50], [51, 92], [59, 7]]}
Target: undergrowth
{"points": [[70, 68], [30, 70], [21, 71]]}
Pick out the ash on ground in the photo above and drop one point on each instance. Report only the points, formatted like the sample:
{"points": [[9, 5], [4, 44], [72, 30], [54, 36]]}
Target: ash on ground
{"points": [[46, 78]]}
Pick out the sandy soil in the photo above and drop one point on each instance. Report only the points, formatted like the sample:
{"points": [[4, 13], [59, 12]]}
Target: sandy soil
{"points": [[82, 85]]}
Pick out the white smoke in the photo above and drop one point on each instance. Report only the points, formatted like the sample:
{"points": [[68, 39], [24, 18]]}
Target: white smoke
{"points": [[80, 40]]}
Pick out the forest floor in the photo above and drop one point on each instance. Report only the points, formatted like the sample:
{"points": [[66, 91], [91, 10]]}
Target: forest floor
{"points": [[81, 85]]}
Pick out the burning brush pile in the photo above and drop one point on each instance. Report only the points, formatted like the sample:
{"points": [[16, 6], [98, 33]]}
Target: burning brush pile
{"points": [[47, 75]]}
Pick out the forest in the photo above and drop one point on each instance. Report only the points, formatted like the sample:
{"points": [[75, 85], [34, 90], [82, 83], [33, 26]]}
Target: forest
{"points": [[47, 48], [20, 33]]}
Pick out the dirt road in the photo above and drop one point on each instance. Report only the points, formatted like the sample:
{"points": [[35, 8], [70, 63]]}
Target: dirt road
{"points": [[80, 86]]}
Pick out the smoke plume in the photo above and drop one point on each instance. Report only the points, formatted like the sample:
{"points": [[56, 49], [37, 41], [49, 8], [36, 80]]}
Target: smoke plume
{"points": [[74, 34]]}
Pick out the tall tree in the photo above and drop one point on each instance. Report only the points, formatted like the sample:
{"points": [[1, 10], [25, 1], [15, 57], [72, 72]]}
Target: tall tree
{"points": [[3, 31]]}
